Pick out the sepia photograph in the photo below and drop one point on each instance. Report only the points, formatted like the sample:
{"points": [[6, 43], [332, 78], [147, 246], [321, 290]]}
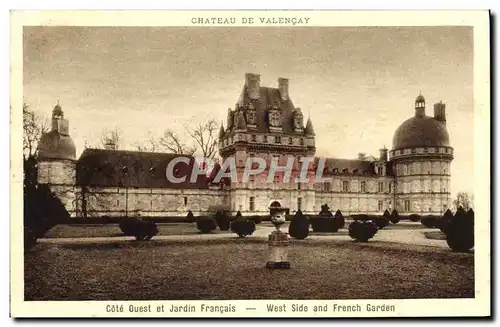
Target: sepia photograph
{"points": [[216, 161]]}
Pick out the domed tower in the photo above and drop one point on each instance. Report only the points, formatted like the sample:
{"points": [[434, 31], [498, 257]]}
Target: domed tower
{"points": [[421, 155], [57, 159]]}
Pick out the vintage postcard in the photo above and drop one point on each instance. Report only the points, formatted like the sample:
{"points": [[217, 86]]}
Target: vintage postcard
{"points": [[250, 164]]}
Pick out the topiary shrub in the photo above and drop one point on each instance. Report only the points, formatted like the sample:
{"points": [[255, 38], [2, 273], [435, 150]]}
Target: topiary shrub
{"points": [[443, 222], [243, 227], [339, 220], [238, 214], [394, 217], [414, 217], [206, 225], [222, 219], [382, 221], [362, 231], [190, 217], [299, 226], [142, 230], [42, 211], [460, 231], [325, 211]]}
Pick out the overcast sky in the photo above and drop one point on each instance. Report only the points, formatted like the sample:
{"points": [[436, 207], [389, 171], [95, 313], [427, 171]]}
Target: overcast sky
{"points": [[357, 84]]}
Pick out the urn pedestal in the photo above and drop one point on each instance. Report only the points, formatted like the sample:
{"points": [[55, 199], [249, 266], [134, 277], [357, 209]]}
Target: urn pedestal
{"points": [[278, 241], [278, 251]]}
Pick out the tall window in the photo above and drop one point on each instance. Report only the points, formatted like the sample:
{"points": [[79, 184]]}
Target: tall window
{"points": [[390, 187], [345, 186], [252, 203], [185, 200], [254, 138], [298, 185], [299, 203], [265, 138], [363, 187], [407, 205], [380, 187], [301, 141], [380, 171], [290, 140], [327, 187], [380, 205], [277, 139]]}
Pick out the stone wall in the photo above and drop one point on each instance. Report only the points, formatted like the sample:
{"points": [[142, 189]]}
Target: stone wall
{"points": [[150, 202]]}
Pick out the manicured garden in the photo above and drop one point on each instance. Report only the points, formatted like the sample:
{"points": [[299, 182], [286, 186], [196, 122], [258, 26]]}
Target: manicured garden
{"points": [[234, 269]]}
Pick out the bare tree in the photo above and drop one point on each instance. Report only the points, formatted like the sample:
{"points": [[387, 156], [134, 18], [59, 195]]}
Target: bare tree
{"points": [[172, 143], [464, 200], [34, 127], [151, 144], [111, 139], [205, 136]]}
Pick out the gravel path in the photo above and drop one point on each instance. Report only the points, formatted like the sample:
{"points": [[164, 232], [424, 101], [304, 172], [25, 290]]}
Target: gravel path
{"points": [[402, 236]]}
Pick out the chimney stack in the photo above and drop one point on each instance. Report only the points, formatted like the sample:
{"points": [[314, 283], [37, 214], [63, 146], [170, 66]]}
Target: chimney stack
{"points": [[440, 112], [283, 88], [252, 85], [383, 154]]}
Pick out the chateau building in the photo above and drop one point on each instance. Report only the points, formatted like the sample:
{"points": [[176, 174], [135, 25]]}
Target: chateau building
{"points": [[413, 177]]}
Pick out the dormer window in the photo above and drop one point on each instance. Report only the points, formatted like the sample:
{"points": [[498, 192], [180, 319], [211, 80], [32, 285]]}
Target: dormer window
{"points": [[345, 171]]}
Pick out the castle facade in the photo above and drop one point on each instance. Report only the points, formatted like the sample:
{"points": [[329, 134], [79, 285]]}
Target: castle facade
{"points": [[412, 177]]}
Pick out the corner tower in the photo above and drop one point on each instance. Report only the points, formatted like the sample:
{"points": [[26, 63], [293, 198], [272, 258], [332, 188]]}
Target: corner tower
{"points": [[421, 156], [57, 159]]}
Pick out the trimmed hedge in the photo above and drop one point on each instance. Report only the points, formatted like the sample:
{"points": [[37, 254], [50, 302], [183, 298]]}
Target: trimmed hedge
{"points": [[243, 227], [414, 217], [323, 224], [206, 225], [362, 231], [299, 226], [430, 221], [361, 217], [380, 221], [142, 230]]}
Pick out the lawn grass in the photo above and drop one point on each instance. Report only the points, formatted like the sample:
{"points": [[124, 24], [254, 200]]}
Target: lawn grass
{"points": [[111, 230], [222, 269]]}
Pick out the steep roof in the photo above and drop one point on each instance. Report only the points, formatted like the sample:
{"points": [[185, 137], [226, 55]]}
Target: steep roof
{"points": [[117, 168], [268, 97], [362, 166]]}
